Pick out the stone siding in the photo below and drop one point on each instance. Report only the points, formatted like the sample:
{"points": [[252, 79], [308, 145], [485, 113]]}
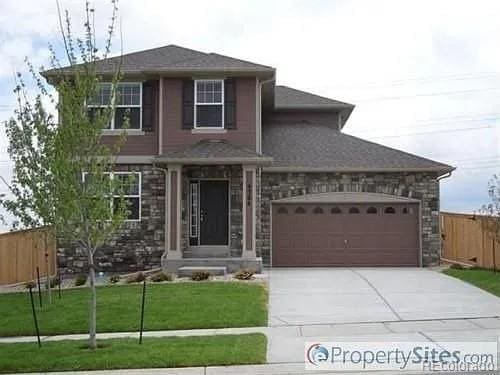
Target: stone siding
{"points": [[137, 245], [422, 186]]}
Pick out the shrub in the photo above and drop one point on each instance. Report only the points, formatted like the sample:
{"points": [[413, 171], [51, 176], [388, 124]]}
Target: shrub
{"points": [[135, 278], [456, 266], [113, 279], [80, 280], [30, 284], [161, 276], [200, 275], [244, 274]]}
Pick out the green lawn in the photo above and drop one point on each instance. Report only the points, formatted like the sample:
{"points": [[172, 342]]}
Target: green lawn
{"points": [[484, 279], [168, 306], [128, 354]]}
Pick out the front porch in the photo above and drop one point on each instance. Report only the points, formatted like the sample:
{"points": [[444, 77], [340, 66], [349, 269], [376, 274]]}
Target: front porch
{"points": [[211, 208]]}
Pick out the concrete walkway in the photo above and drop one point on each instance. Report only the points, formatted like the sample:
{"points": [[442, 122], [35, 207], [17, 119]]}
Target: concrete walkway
{"points": [[286, 343], [115, 335]]}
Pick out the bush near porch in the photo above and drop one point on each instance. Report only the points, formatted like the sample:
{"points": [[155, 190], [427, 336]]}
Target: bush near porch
{"points": [[168, 306]]}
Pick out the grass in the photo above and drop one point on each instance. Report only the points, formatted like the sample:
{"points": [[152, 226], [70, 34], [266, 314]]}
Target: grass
{"points": [[128, 354], [168, 306], [484, 279]]}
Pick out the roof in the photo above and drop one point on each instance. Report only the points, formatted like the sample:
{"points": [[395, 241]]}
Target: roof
{"points": [[346, 197], [289, 99], [213, 152], [312, 147], [174, 59], [286, 97]]}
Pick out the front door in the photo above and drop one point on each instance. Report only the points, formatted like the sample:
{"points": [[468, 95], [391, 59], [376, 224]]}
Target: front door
{"points": [[214, 213]]}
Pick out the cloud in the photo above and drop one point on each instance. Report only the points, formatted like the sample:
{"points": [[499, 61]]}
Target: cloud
{"points": [[390, 58]]}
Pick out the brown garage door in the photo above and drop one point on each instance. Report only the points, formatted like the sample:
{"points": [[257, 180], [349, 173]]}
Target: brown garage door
{"points": [[367, 234]]}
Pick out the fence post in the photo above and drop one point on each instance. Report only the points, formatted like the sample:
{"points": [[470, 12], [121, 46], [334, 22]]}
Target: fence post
{"points": [[34, 317], [142, 310], [39, 288]]}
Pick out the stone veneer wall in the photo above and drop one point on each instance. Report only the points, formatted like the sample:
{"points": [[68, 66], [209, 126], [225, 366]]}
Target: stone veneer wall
{"points": [[422, 186], [138, 245], [234, 173]]}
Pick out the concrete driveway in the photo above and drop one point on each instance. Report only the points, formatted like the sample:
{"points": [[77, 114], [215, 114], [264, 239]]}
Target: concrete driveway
{"points": [[362, 295]]}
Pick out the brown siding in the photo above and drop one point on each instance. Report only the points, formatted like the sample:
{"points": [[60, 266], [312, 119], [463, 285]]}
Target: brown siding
{"points": [[146, 144], [175, 137], [313, 117]]}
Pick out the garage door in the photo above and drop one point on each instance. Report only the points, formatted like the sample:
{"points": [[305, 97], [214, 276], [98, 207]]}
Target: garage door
{"points": [[345, 234]]}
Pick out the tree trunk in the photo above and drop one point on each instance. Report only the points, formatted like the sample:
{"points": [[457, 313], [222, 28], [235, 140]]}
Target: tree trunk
{"points": [[47, 265], [93, 302]]}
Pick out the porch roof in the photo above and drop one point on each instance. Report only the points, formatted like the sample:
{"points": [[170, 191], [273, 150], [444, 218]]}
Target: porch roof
{"points": [[213, 152]]}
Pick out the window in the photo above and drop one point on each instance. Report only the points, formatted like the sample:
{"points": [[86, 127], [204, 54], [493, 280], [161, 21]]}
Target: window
{"points": [[354, 210], [282, 210], [129, 183], [193, 213], [209, 103], [389, 210], [318, 210], [128, 104], [371, 210], [336, 210], [300, 210]]}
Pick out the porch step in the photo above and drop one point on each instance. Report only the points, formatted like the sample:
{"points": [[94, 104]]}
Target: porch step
{"points": [[187, 271]]}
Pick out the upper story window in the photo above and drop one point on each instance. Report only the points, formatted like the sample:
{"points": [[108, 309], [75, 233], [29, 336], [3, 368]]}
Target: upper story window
{"points": [[209, 103], [128, 104]]}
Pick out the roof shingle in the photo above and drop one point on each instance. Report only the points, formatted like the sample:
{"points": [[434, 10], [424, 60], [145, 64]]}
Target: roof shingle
{"points": [[213, 152], [317, 147], [287, 97], [173, 58]]}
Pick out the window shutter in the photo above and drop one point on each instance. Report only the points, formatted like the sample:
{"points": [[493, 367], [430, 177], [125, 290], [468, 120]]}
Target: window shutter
{"points": [[230, 103], [148, 105], [188, 104]]}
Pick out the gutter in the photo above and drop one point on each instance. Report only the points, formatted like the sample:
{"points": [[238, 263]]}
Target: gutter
{"points": [[347, 170]]}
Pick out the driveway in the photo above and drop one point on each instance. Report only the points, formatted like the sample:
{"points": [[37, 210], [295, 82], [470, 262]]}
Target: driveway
{"points": [[362, 295]]}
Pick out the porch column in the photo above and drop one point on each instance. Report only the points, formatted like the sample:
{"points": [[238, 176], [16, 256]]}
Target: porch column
{"points": [[249, 211], [174, 202]]}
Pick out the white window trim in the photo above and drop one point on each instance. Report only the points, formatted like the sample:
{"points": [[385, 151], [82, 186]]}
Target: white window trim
{"points": [[197, 104], [112, 124], [139, 195]]}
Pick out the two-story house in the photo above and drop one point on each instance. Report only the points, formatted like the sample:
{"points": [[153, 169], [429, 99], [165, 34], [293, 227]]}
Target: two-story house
{"points": [[235, 171]]}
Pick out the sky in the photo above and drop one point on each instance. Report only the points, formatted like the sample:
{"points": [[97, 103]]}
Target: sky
{"points": [[424, 75]]}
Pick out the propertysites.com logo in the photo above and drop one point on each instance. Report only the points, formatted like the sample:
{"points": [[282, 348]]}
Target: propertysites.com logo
{"points": [[402, 356]]}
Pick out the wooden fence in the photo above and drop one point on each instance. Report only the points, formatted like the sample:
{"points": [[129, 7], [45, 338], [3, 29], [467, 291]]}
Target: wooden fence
{"points": [[465, 240], [21, 252]]}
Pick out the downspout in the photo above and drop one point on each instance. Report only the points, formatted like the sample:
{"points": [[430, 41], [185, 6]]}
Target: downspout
{"points": [[164, 255], [258, 171]]}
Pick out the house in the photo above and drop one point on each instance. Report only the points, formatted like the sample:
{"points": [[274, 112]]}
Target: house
{"points": [[235, 171]]}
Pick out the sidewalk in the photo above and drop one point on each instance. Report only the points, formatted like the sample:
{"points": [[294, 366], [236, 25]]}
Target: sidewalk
{"points": [[115, 335], [285, 350], [270, 369]]}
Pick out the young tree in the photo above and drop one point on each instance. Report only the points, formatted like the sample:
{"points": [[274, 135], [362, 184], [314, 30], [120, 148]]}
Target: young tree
{"points": [[491, 221], [72, 165]]}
